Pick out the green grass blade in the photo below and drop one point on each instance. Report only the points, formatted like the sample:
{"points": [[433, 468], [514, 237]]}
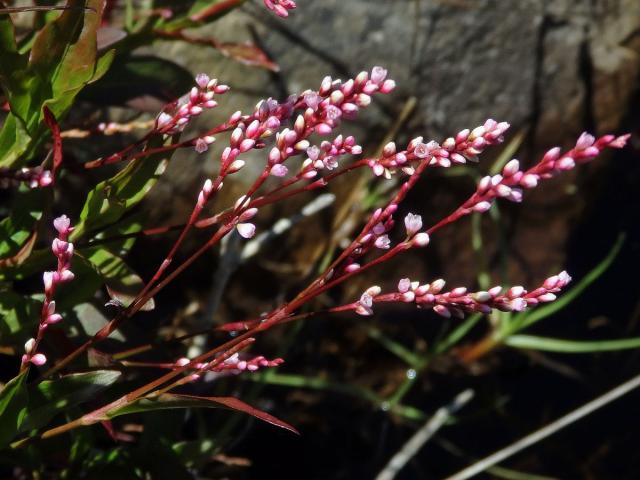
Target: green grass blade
{"points": [[455, 336], [394, 347], [571, 346]]}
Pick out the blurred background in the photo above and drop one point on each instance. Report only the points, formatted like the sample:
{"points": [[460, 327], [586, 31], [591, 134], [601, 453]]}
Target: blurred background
{"points": [[552, 69], [358, 388]]}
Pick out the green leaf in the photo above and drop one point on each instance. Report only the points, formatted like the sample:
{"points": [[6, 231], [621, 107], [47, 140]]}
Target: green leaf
{"points": [[171, 401], [394, 347], [571, 346], [61, 62], [14, 140], [111, 199], [51, 397], [16, 229], [458, 333], [18, 315], [13, 404], [202, 12], [122, 283]]}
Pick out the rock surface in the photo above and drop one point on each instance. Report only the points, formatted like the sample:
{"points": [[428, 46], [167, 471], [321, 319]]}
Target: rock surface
{"points": [[551, 68]]}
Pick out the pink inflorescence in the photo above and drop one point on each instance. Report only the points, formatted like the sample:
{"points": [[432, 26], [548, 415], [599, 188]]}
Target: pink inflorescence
{"points": [[234, 364], [32, 177], [466, 146], [177, 115], [63, 250], [459, 301], [280, 7], [510, 183]]}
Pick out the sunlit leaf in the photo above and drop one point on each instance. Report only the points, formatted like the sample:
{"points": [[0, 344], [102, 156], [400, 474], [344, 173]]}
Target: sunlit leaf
{"points": [[52, 397], [13, 402], [110, 199], [19, 227]]}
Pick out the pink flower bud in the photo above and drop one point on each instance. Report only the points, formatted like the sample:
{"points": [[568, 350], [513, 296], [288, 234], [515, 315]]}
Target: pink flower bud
{"points": [[408, 297], [383, 242], [482, 297], [515, 292], [511, 168], [236, 166], [279, 170], [378, 74], [202, 79], [181, 362], [518, 304], [565, 163], [442, 311], [421, 239], [437, 286], [201, 145], [547, 297], [323, 129], [55, 318], [47, 279], [404, 285], [29, 344], [551, 282], [388, 86], [413, 224], [38, 359], [529, 180], [481, 207], [248, 214], [246, 230], [585, 141], [247, 144], [62, 224], [495, 291], [66, 276]]}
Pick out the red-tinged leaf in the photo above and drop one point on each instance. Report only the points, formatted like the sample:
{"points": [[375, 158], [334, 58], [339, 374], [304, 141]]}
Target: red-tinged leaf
{"points": [[172, 401], [218, 8], [52, 123], [248, 54], [108, 36], [22, 254], [7, 10]]}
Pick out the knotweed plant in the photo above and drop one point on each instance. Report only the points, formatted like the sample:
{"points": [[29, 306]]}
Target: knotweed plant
{"points": [[300, 150]]}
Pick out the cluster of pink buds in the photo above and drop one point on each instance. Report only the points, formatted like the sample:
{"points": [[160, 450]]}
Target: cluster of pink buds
{"points": [[459, 301], [378, 237], [32, 177], [63, 250], [466, 146], [512, 180], [178, 114], [326, 156], [323, 112], [233, 364], [243, 226], [280, 7]]}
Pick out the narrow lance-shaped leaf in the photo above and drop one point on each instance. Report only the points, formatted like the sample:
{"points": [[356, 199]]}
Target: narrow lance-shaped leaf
{"points": [[52, 397], [571, 346], [171, 401], [13, 401]]}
